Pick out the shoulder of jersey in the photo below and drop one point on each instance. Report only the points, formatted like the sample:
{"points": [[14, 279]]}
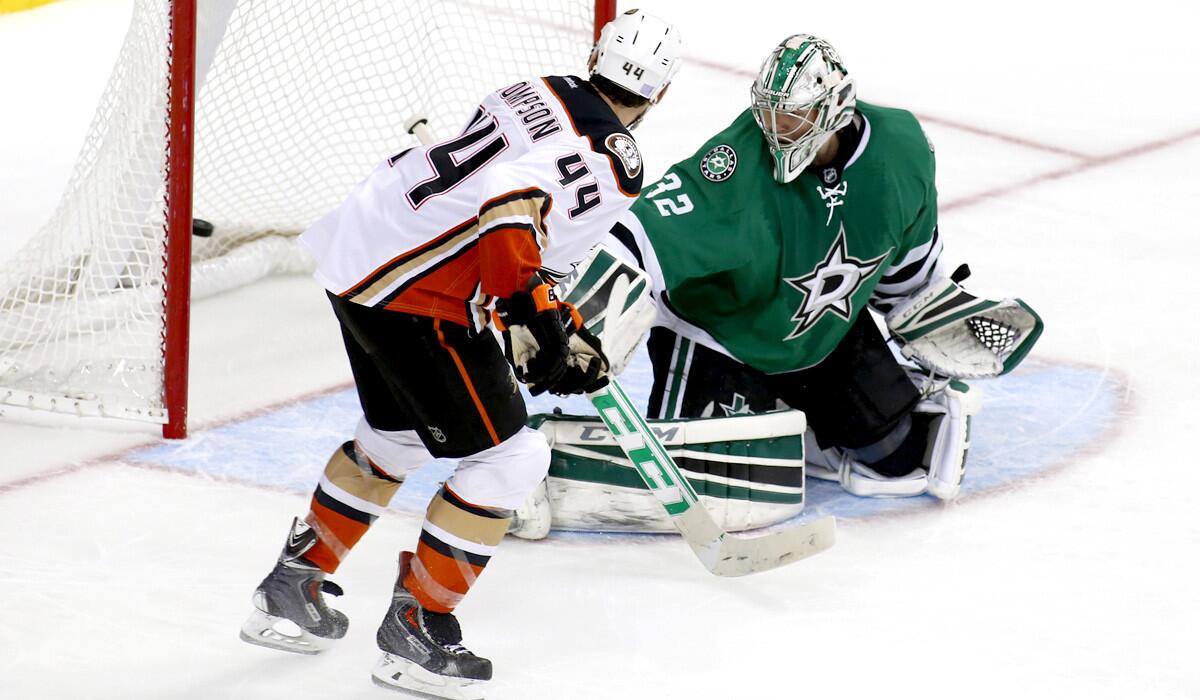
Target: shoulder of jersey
{"points": [[727, 155], [897, 131], [594, 120]]}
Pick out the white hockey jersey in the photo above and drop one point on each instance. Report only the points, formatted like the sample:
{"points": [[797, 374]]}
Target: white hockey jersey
{"points": [[539, 175]]}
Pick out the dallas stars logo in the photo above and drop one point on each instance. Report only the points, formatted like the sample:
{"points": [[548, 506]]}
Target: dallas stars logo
{"points": [[719, 163], [830, 288]]}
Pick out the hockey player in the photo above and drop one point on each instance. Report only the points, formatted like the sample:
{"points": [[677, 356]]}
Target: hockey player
{"points": [[768, 247], [414, 261]]}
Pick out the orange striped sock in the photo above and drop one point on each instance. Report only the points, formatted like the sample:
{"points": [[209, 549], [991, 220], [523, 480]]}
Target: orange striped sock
{"points": [[352, 494], [457, 541]]}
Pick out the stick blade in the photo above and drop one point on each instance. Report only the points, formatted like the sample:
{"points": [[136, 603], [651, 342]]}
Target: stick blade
{"points": [[725, 554]]}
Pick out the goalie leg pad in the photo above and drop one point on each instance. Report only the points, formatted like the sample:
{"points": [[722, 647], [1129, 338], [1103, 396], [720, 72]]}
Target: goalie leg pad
{"points": [[532, 519], [946, 414], [953, 408], [835, 464], [747, 470]]}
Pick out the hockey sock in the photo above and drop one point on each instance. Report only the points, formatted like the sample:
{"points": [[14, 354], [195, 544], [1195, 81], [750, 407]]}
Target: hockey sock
{"points": [[457, 541], [352, 493]]}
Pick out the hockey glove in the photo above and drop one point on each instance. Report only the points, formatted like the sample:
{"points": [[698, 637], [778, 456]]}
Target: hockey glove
{"points": [[948, 330], [535, 340], [587, 365]]}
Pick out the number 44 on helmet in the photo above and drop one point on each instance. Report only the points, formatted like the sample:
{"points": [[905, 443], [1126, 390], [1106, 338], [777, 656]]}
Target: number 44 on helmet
{"points": [[640, 53]]}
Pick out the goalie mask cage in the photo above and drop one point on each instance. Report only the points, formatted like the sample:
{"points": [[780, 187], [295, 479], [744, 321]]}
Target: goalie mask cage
{"points": [[291, 104]]}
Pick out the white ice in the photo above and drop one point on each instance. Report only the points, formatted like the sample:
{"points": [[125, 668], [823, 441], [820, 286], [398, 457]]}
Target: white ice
{"points": [[1082, 120]]}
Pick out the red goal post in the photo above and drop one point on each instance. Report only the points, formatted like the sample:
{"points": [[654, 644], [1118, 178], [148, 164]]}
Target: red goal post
{"points": [[223, 112]]}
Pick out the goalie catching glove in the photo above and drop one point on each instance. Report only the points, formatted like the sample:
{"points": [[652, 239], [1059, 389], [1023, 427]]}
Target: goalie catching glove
{"points": [[547, 345], [948, 330]]}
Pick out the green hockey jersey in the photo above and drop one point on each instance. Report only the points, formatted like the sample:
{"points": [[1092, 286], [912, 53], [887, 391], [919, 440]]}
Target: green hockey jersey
{"points": [[777, 273]]}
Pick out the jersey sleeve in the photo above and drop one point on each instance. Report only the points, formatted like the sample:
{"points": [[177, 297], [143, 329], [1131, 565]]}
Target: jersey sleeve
{"points": [[545, 211], [513, 229], [917, 262], [701, 227], [627, 239]]}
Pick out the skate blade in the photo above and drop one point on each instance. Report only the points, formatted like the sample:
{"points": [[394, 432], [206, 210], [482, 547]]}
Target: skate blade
{"points": [[398, 673], [274, 632]]}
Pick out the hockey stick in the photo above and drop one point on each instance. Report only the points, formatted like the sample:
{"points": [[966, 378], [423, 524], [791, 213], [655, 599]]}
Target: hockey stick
{"points": [[418, 126], [721, 553]]}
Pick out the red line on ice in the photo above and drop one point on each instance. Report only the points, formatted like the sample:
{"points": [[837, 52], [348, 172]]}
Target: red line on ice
{"points": [[1067, 171]]}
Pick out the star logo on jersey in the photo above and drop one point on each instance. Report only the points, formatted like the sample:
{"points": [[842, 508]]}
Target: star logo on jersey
{"points": [[719, 163], [830, 288]]}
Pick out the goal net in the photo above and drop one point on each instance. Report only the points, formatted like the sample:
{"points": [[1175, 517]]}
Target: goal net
{"points": [[296, 102]]}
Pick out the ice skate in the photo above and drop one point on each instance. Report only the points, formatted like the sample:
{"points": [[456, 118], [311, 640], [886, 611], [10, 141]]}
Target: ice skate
{"points": [[423, 652], [290, 611]]}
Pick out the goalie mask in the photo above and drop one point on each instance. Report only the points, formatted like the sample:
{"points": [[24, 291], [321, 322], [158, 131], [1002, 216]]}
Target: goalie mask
{"points": [[801, 96]]}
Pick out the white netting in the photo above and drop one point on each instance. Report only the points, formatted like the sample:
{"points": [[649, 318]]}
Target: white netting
{"points": [[301, 100]]}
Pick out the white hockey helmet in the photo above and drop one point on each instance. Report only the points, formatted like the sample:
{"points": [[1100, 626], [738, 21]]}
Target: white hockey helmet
{"points": [[802, 95], [638, 52]]}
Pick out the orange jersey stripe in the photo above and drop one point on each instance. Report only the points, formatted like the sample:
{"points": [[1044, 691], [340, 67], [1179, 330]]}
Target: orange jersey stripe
{"points": [[442, 293], [383, 269], [442, 277]]}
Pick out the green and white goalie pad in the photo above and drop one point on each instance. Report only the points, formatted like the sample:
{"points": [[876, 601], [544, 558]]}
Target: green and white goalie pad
{"points": [[952, 332], [600, 285], [748, 471]]}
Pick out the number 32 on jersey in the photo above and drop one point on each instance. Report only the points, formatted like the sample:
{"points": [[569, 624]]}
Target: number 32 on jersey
{"points": [[672, 205]]}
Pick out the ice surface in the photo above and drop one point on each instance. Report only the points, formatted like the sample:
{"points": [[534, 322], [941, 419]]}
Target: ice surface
{"points": [[128, 565]]}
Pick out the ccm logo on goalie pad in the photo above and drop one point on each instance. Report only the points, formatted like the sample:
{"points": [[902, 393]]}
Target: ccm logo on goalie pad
{"points": [[596, 433]]}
